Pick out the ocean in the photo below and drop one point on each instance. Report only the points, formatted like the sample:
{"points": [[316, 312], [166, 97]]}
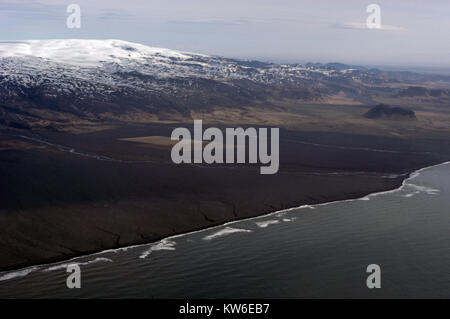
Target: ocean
{"points": [[318, 251]]}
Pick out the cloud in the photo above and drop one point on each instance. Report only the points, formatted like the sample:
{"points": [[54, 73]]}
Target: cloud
{"points": [[31, 10], [112, 14], [44, 10], [211, 21], [363, 26]]}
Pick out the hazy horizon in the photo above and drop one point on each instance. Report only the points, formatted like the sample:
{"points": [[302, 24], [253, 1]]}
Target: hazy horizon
{"points": [[413, 33]]}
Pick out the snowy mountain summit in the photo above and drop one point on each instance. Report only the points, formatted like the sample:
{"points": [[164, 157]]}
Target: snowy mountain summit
{"points": [[117, 55], [86, 52], [94, 79]]}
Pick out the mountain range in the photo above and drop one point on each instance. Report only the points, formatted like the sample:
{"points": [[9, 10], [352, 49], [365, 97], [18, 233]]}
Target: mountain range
{"points": [[43, 82]]}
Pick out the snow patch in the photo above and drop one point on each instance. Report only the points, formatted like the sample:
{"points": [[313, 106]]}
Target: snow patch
{"points": [[85, 52]]}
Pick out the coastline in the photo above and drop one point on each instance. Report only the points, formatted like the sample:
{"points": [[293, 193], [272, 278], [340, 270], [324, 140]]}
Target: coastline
{"points": [[34, 266]]}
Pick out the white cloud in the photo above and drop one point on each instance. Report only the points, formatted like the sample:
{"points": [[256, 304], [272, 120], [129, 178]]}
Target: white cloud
{"points": [[360, 26], [211, 21]]}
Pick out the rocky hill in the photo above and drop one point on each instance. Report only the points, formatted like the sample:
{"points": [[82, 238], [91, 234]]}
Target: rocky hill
{"points": [[383, 111]]}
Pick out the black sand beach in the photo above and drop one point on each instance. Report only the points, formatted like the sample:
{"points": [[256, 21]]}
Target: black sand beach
{"points": [[58, 203]]}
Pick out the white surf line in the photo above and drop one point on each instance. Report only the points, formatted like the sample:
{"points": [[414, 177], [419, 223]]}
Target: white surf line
{"points": [[17, 273], [66, 264], [267, 223], [404, 184], [164, 244], [225, 232], [12, 274], [423, 189], [412, 176]]}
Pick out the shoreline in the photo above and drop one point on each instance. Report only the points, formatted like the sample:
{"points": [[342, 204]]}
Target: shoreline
{"points": [[34, 266]]}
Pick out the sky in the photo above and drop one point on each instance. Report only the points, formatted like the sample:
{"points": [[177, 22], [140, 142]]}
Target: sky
{"points": [[413, 33]]}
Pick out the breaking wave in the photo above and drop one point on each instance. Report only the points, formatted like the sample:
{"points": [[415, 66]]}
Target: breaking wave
{"points": [[226, 231], [17, 274], [424, 189], [267, 223], [165, 244], [65, 265]]}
